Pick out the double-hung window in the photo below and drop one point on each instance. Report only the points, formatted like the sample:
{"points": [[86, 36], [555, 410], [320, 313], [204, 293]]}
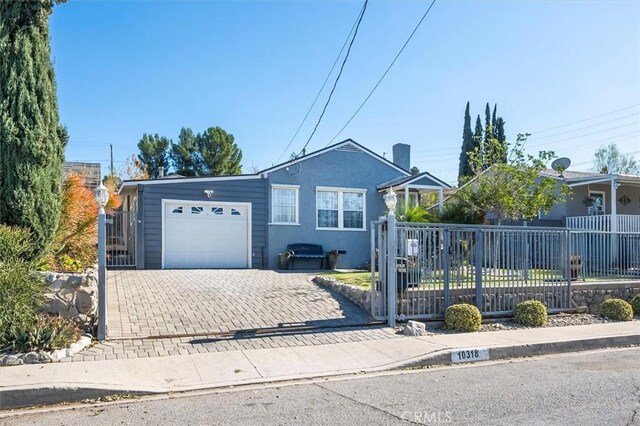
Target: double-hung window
{"points": [[284, 204], [340, 208]]}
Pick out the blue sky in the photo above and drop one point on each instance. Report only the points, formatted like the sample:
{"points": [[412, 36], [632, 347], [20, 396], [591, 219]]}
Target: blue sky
{"points": [[254, 67]]}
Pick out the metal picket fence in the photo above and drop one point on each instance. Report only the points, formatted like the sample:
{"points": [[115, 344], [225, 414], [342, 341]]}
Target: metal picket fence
{"points": [[420, 269], [121, 239]]}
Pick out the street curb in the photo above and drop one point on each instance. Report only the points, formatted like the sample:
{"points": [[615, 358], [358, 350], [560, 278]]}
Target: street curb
{"points": [[496, 353], [18, 398], [22, 398]]}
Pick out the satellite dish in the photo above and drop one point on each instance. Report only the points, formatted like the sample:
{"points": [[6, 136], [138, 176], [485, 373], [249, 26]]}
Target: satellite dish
{"points": [[561, 164], [118, 182]]}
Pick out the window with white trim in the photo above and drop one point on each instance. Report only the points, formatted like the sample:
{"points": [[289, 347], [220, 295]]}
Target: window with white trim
{"points": [[284, 204], [340, 208]]}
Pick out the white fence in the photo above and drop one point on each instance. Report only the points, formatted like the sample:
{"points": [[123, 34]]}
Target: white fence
{"points": [[624, 223]]}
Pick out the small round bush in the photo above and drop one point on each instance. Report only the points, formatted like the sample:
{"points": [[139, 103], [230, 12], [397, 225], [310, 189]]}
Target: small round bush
{"points": [[635, 305], [617, 310], [462, 317], [531, 313]]}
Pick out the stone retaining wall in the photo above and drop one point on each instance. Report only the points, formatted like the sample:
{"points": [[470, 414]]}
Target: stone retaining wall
{"points": [[359, 296], [583, 295], [73, 296]]}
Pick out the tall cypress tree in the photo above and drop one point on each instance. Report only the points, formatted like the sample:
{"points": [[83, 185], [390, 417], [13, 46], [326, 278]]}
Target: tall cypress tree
{"points": [[488, 130], [477, 136], [501, 137], [32, 141], [464, 169], [494, 121]]}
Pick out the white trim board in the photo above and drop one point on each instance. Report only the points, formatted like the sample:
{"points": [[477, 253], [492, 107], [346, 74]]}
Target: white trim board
{"points": [[164, 201]]}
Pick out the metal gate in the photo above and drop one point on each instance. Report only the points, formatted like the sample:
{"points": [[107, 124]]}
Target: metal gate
{"points": [[121, 239], [418, 269]]}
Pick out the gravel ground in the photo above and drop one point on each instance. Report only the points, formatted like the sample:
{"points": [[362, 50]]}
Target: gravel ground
{"points": [[557, 320]]}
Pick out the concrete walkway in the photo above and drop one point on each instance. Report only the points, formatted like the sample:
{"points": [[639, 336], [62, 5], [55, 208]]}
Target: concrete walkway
{"points": [[209, 370]]}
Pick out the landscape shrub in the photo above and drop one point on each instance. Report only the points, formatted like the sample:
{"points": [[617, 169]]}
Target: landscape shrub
{"points": [[531, 313], [616, 309], [21, 290], [74, 247], [47, 333], [462, 317], [635, 305]]}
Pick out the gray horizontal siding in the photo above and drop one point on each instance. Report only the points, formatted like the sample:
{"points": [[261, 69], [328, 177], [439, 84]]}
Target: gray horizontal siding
{"points": [[241, 191]]}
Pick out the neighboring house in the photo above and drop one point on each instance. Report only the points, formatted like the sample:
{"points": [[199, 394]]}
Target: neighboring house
{"points": [[600, 202], [328, 197], [90, 172]]}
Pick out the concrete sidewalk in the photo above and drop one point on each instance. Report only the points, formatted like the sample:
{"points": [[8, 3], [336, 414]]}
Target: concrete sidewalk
{"points": [[232, 368]]}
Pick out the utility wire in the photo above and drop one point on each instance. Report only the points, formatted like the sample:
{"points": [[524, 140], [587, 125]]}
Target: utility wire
{"points": [[335, 83], [323, 84], [585, 119], [385, 73]]}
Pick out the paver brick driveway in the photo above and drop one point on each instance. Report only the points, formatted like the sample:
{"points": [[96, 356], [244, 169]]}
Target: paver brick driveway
{"points": [[175, 302]]}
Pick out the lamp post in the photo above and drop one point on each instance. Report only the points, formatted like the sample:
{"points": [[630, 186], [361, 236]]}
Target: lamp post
{"points": [[390, 199], [102, 197]]}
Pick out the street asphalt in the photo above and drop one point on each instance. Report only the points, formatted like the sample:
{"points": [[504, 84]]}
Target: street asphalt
{"points": [[588, 388]]}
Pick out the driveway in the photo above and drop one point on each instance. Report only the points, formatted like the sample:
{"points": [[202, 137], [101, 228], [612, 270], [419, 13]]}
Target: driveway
{"points": [[186, 302]]}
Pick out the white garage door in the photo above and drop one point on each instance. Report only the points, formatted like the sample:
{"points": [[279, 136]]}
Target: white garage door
{"points": [[206, 235]]}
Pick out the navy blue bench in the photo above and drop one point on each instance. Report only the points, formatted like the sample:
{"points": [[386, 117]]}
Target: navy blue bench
{"points": [[306, 251]]}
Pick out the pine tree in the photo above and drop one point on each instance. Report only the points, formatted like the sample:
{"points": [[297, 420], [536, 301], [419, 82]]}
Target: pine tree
{"points": [[464, 169], [185, 154], [154, 153], [32, 141], [220, 155]]}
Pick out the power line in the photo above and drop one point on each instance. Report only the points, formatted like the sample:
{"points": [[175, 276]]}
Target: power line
{"points": [[385, 73], [323, 84], [584, 127], [335, 83], [624, 136], [585, 119]]}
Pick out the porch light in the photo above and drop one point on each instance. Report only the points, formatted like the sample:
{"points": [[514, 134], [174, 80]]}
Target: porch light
{"points": [[102, 195], [391, 200]]}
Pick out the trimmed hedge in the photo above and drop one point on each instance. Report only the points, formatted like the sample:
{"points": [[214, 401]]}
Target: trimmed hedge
{"points": [[617, 310], [531, 313], [635, 305], [462, 317]]}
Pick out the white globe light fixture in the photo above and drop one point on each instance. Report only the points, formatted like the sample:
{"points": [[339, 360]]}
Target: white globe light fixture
{"points": [[390, 199], [102, 195]]}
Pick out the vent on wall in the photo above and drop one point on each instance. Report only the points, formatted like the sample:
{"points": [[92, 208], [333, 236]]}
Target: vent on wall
{"points": [[349, 147]]}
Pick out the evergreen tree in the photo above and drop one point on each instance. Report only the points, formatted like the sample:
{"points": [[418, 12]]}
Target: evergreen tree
{"points": [[477, 137], [501, 137], [488, 129], [32, 141], [220, 154], [154, 153], [464, 169], [494, 121], [185, 154]]}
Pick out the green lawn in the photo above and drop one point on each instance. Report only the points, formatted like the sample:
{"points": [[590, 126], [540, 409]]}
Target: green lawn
{"points": [[436, 280], [358, 279]]}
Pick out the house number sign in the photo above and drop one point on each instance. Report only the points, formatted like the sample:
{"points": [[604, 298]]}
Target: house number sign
{"points": [[470, 355]]}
